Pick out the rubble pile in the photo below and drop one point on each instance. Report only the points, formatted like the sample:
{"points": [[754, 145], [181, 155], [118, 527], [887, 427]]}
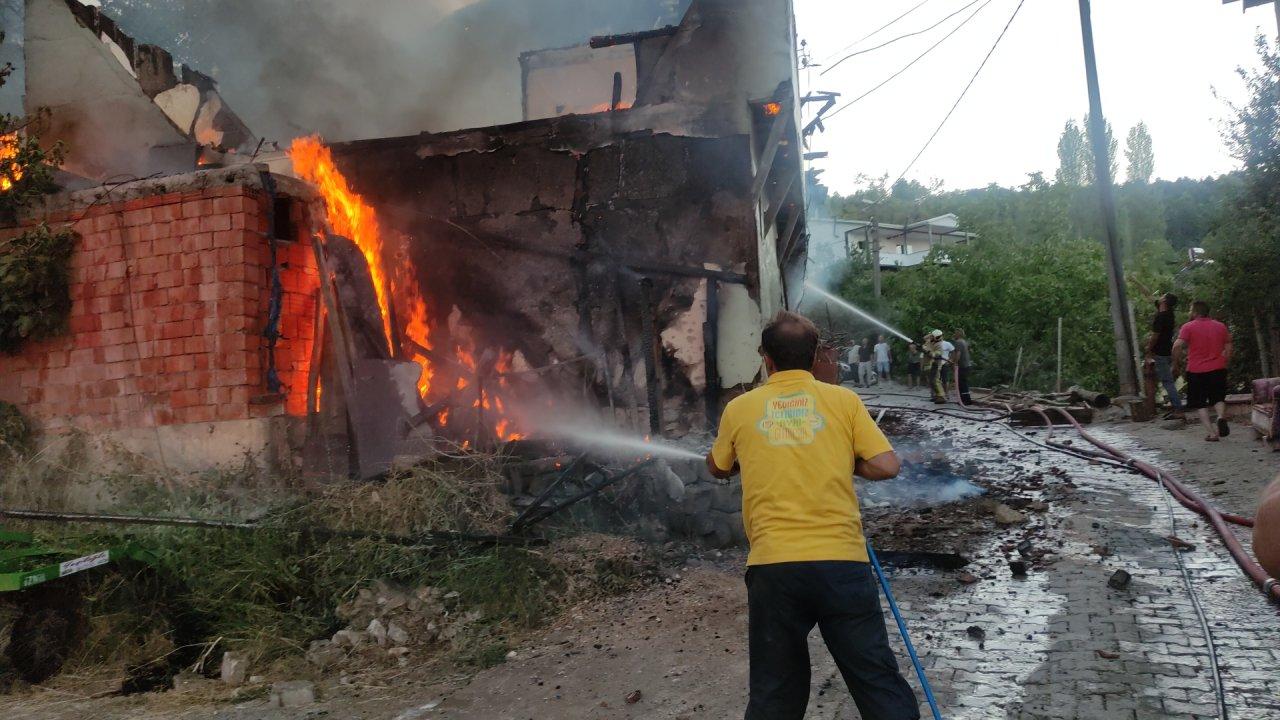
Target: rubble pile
{"points": [[386, 621]]}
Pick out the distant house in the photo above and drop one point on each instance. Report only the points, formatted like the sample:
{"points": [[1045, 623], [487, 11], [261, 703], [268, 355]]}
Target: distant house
{"points": [[834, 240]]}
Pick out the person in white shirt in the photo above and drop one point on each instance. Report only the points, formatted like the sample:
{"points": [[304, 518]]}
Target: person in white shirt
{"points": [[948, 350], [883, 358]]}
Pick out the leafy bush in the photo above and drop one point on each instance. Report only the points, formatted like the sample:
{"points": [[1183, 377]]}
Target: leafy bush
{"points": [[1010, 295], [16, 433], [35, 285]]}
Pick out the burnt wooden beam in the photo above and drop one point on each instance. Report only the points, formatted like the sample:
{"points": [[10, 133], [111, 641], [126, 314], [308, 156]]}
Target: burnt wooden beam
{"points": [[765, 166], [616, 98], [771, 216], [663, 268], [624, 348], [711, 355], [788, 238], [604, 41], [338, 333], [639, 265], [649, 334]]}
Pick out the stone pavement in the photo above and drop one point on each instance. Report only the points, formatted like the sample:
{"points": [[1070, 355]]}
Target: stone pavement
{"points": [[1044, 634]]}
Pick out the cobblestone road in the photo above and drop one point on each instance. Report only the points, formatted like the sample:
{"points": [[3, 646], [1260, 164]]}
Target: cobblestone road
{"points": [[1062, 644]]}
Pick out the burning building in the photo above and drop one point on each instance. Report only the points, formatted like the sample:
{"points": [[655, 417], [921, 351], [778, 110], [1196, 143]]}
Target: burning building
{"points": [[612, 256]]}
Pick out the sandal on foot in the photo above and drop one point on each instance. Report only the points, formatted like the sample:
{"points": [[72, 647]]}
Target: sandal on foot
{"points": [[1211, 438]]}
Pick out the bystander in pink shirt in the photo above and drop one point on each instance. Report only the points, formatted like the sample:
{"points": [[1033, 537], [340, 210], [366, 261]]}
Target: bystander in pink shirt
{"points": [[1205, 339]]}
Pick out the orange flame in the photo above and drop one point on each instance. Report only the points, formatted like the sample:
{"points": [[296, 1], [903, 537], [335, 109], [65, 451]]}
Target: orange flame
{"points": [[606, 107], [418, 330], [351, 217], [349, 214], [10, 172]]}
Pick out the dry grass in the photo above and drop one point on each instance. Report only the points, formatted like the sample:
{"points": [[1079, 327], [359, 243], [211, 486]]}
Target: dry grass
{"points": [[272, 590], [449, 495]]}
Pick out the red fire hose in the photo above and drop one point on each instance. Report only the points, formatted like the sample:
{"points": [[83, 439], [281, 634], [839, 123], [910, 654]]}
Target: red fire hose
{"points": [[1192, 501], [1187, 497]]}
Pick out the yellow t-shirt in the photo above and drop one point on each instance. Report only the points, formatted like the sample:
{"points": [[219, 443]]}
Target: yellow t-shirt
{"points": [[796, 439]]}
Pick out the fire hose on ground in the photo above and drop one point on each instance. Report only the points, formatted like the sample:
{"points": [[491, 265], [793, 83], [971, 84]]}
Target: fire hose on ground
{"points": [[902, 630], [1112, 456]]}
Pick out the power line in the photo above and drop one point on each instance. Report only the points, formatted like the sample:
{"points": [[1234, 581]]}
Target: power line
{"points": [[908, 65], [876, 31], [836, 64], [955, 105]]}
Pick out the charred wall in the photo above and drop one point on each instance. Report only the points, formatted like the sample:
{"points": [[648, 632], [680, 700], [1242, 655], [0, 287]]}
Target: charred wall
{"points": [[561, 240]]}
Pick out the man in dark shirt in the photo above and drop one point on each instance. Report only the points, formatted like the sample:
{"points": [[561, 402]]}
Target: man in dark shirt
{"points": [[865, 365], [962, 360], [1160, 349]]}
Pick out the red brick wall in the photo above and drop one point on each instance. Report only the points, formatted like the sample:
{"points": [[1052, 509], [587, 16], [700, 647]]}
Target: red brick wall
{"points": [[169, 298]]}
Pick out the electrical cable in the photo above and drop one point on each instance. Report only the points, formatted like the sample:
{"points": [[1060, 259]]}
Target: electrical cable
{"points": [[1218, 694], [906, 67], [836, 64], [875, 32], [964, 92]]}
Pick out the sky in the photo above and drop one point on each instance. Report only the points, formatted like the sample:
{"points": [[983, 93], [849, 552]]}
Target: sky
{"points": [[1159, 62]]}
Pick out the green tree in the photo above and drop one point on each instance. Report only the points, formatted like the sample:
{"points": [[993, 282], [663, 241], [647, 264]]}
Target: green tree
{"points": [[1246, 245], [1112, 148], [35, 295], [1140, 155], [1072, 148]]}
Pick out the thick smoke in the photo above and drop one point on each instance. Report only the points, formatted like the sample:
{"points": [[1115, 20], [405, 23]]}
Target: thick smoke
{"points": [[374, 68]]}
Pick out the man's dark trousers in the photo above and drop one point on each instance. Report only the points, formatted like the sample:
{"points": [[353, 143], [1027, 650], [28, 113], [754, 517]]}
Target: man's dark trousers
{"points": [[785, 601]]}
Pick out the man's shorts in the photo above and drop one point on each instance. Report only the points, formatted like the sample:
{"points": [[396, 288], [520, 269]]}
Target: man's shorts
{"points": [[1206, 389]]}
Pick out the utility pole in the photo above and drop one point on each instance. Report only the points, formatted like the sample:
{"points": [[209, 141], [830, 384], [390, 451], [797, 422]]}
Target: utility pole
{"points": [[875, 256], [1125, 338]]}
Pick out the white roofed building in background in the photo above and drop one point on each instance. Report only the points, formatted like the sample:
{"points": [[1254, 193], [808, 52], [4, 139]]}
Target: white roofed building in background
{"points": [[835, 240]]}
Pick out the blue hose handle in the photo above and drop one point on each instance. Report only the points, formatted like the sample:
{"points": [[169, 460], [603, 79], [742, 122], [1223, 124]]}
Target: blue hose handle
{"points": [[902, 629]]}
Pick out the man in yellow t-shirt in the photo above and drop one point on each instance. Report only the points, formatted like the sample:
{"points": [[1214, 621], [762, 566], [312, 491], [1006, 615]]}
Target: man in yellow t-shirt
{"points": [[799, 443]]}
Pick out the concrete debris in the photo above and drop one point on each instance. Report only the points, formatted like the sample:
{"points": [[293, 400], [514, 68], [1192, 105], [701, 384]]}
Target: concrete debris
{"points": [[326, 653], [1179, 544], [1107, 654], [235, 668], [378, 632], [633, 697], [292, 694], [354, 639], [1120, 580], [1018, 568], [965, 578], [1006, 515], [386, 621], [1038, 506], [1024, 548], [397, 635]]}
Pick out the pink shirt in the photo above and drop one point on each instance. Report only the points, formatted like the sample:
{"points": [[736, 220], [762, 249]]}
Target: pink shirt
{"points": [[1205, 339]]}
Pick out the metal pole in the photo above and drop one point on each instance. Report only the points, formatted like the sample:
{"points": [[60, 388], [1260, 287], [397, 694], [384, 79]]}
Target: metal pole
{"points": [[875, 256], [1124, 335]]}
